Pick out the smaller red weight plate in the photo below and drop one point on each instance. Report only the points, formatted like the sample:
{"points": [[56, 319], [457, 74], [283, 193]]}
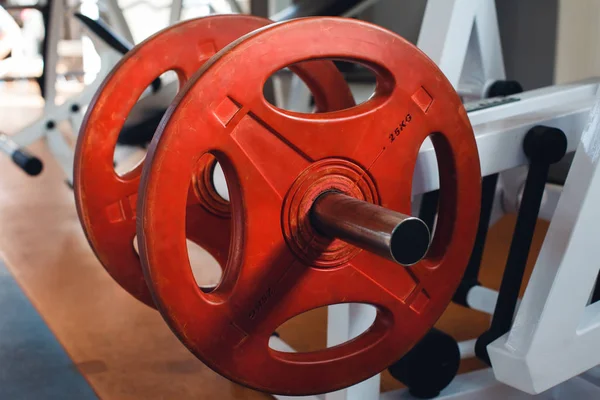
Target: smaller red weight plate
{"points": [[276, 163], [106, 202]]}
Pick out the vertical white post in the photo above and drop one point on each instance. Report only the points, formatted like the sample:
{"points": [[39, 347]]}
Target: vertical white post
{"points": [[175, 14], [345, 322], [118, 21], [277, 5], [462, 37], [445, 33], [55, 24]]}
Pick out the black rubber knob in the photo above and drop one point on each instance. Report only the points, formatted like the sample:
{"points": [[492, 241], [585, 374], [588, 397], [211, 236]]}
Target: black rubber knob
{"points": [[430, 366], [504, 88], [544, 144], [156, 85], [28, 163]]}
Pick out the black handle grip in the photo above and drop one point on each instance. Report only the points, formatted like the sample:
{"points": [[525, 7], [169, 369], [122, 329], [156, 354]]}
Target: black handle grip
{"points": [[104, 32], [112, 39], [27, 162]]}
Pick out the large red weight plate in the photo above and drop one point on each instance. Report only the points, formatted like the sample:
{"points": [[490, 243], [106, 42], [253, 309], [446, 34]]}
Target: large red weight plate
{"points": [[275, 162], [106, 203]]}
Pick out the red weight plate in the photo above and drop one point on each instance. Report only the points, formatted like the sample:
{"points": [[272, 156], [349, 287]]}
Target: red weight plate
{"points": [[276, 162], [106, 203]]}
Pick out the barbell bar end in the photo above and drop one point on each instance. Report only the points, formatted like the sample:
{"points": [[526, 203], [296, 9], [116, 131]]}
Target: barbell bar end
{"points": [[395, 236], [410, 241]]}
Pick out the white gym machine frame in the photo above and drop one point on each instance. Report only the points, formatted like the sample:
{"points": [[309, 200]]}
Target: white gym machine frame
{"points": [[550, 347]]}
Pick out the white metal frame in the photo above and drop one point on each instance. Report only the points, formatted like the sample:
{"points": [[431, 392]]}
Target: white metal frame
{"points": [[117, 19], [462, 37]]}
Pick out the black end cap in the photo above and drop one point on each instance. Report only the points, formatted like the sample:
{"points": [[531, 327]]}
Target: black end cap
{"points": [[28, 163], [504, 88], [543, 144], [430, 366]]}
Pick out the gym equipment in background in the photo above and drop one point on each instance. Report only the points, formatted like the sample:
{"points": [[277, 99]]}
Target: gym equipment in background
{"points": [[70, 111]]}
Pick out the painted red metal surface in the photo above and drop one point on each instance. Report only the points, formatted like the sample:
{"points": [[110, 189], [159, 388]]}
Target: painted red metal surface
{"points": [[106, 203], [275, 161]]}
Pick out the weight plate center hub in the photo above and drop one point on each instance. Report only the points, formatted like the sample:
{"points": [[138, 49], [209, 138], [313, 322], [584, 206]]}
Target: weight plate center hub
{"points": [[332, 174]]}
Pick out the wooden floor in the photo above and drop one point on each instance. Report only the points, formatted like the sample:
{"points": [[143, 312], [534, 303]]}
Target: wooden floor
{"points": [[123, 348]]}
